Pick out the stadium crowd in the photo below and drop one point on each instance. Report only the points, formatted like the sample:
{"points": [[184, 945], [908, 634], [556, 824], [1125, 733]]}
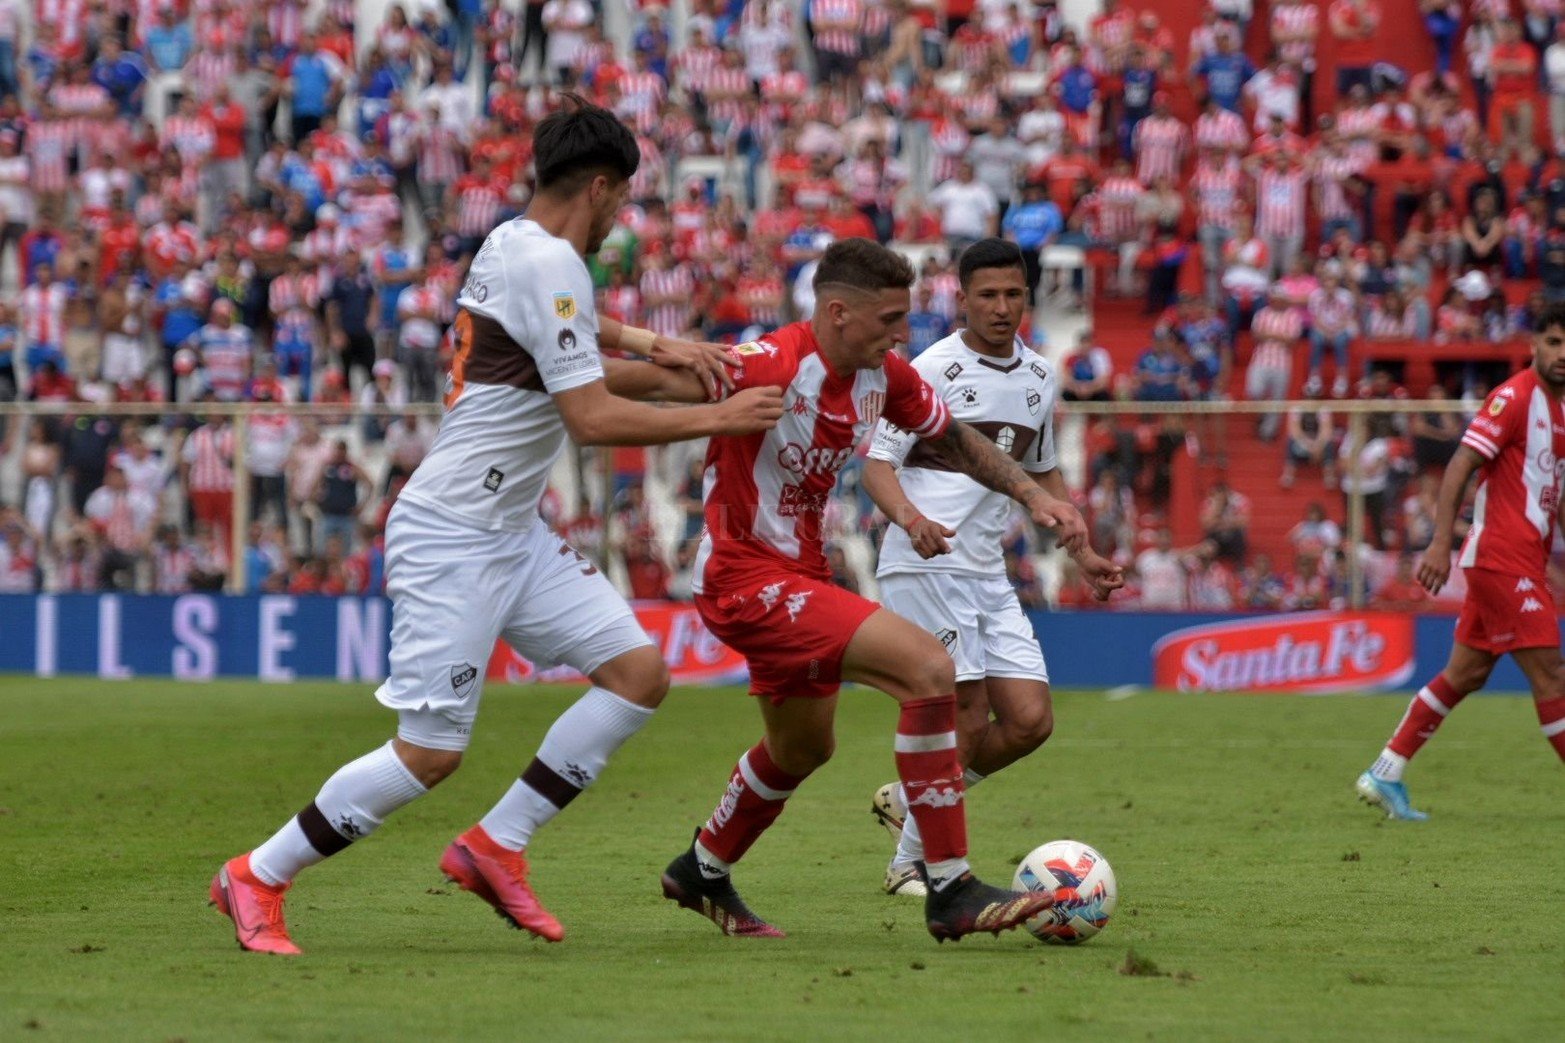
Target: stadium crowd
{"points": [[204, 201]]}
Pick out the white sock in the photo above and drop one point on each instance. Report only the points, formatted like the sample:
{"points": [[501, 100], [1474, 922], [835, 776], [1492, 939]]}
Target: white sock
{"points": [[711, 866], [910, 848], [578, 745], [943, 874], [1388, 766], [352, 804]]}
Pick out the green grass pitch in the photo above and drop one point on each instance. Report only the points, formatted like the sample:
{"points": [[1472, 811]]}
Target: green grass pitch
{"points": [[1259, 900]]}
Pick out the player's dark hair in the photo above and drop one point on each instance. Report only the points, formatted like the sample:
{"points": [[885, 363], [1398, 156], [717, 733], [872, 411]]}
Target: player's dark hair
{"points": [[579, 141], [863, 264], [988, 253], [1551, 317]]}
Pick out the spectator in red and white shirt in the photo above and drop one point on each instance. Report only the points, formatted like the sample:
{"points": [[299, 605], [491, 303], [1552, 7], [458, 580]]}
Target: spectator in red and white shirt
{"points": [[1281, 191], [1161, 142], [123, 517], [206, 470], [43, 319], [837, 26], [1277, 331], [1217, 127], [1295, 27], [1333, 316]]}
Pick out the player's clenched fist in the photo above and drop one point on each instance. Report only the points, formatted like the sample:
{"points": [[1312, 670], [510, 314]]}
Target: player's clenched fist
{"points": [[752, 410], [929, 537], [1434, 567]]}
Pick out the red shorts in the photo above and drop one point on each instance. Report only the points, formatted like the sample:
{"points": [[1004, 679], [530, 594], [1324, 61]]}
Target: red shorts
{"points": [[791, 629], [1504, 612]]}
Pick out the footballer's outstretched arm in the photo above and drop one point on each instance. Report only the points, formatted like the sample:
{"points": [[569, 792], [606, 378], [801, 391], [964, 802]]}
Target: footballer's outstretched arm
{"points": [[594, 416], [1434, 565], [711, 362], [983, 462], [646, 382]]}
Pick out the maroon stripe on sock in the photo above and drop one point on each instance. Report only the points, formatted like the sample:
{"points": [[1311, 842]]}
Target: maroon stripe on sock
{"points": [[551, 786], [321, 834]]}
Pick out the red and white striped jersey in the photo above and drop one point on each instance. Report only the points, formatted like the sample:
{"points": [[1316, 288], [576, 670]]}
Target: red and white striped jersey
{"points": [[763, 296], [693, 65], [970, 49], [1216, 188], [69, 18], [978, 107], [43, 313], [1280, 202], [438, 161], [781, 91], [1117, 198], [209, 68], [641, 92], [49, 144], [837, 41], [1224, 129], [171, 569], [1381, 324], [285, 19], [478, 204], [648, 179], [725, 87], [1520, 433], [670, 319], [192, 137], [1160, 143], [765, 493], [1359, 126], [168, 242], [1330, 171], [210, 453], [1276, 331], [288, 293], [1294, 18], [225, 357]]}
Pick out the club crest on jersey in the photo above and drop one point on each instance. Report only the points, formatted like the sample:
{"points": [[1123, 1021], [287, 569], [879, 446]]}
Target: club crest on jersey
{"points": [[463, 676], [565, 306], [947, 637], [752, 347], [1034, 400], [871, 405]]}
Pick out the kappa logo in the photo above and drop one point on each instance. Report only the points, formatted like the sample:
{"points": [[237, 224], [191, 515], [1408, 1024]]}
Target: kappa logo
{"points": [[1034, 400], [565, 306], [953, 371], [1005, 439], [1524, 584], [769, 594], [947, 637], [795, 604], [463, 677], [1532, 604], [949, 797]]}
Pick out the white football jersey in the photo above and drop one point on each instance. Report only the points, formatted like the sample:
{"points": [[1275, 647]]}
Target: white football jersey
{"points": [[525, 330], [1010, 401]]}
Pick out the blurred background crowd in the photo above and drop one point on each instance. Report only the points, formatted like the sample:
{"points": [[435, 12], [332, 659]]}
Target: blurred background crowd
{"points": [[203, 201]]}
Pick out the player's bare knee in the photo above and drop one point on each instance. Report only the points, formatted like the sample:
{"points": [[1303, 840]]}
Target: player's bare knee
{"points": [[802, 754], [639, 676], [1027, 731], [429, 767], [930, 674]]}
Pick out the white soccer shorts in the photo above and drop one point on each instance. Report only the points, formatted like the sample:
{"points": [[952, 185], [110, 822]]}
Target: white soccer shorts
{"points": [[977, 618], [455, 590]]}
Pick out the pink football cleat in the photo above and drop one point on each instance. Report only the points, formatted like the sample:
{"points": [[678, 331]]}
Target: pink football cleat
{"points": [[255, 908], [498, 875]]}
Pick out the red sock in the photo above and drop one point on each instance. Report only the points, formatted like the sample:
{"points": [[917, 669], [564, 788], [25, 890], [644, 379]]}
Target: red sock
{"points": [[1424, 714], [932, 777], [756, 793], [1551, 715]]}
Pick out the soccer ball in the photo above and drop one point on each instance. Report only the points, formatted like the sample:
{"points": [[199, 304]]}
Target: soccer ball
{"points": [[1085, 891]]}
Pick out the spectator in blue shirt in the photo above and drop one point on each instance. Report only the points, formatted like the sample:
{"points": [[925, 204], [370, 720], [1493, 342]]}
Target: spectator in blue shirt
{"points": [[1161, 374], [1077, 85], [925, 325], [1033, 224], [314, 87], [1138, 85], [122, 73], [1225, 73], [170, 42]]}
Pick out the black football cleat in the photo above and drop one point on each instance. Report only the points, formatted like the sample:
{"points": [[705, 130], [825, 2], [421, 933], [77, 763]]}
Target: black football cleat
{"points": [[714, 898], [969, 905]]}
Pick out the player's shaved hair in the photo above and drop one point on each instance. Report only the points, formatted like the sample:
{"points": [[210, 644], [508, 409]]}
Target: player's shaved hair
{"points": [[989, 253], [579, 141], [1551, 317], [863, 265]]}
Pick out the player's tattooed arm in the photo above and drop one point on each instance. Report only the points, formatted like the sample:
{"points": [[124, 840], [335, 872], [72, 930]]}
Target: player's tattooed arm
{"points": [[983, 462]]}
